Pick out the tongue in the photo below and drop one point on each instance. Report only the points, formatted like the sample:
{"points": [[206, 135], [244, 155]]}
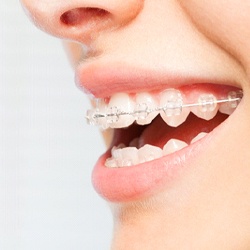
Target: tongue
{"points": [[158, 132]]}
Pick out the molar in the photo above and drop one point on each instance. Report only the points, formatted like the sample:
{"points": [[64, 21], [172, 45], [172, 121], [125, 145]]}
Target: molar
{"points": [[171, 102], [120, 102]]}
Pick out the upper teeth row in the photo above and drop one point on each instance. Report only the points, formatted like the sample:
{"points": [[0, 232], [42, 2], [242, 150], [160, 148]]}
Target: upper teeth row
{"points": [[122, 111]]}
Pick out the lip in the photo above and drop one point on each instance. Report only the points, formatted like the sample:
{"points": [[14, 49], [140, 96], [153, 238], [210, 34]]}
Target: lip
{"points": [[143, 180], [102, 79]]}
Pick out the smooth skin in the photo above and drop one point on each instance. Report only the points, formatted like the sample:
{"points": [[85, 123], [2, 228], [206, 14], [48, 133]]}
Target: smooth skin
{"points": [[209, 206]]}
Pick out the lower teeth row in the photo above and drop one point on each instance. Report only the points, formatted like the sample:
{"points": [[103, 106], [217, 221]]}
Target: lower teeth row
{"points": [[129, 156], [173, 106]]}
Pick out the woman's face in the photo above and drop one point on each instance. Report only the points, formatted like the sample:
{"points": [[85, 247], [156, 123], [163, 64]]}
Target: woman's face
{"points": [[148, 57]]}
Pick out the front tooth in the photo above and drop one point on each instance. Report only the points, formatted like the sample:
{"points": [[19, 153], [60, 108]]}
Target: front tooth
{"points": [[101, 108], [199, 137], [125, 157], [120, 102], [91, 117], [171, 102], [207, 108], [149, 153], [144, 104], [111, 163], [173, 145]]}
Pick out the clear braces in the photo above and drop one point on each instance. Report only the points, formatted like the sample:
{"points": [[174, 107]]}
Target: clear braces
{"points": [[173, 107]]}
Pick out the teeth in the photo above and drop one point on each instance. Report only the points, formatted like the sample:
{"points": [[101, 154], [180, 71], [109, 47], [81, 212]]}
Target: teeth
{"points": [[173, 145], [171, 101], [120, 102], [123, 157], [207, 108], [129, 156], [144, 104], [122, 111], [233, 102], [225, 108], [149, 153], [101, 107], [199, 137], [126, 157], [91, 120], [111, 163], [234, 98]]}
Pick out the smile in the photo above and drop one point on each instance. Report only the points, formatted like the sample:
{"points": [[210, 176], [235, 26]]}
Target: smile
{"points": [[162, 124], [175, 107]]}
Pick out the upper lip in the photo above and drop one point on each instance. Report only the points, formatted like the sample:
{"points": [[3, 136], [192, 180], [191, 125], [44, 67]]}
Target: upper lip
{"points": [[103, 79]]}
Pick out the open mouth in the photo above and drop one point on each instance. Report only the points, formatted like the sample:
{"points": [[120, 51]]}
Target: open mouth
{"points": [[150, 125], [162, 122]]}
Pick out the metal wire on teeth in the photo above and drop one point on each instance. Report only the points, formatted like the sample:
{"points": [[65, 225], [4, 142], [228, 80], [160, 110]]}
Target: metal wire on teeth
{"points": [[206, 103]]}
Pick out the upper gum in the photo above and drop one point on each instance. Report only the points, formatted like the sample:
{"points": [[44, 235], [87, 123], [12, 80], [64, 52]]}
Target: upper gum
{"points": [[190, 93]]}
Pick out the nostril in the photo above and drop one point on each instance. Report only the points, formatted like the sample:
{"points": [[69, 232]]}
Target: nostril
{"points": [[81, 16]]}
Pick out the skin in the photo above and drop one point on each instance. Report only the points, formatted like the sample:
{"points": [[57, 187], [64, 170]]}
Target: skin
{"points": [[209, 206]]}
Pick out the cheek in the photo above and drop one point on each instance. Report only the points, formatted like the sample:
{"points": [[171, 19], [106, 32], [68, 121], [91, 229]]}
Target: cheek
{"points": [[224, 22]]}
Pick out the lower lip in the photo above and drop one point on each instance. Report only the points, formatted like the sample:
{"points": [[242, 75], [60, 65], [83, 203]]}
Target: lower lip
{"points": [[136, 182]]}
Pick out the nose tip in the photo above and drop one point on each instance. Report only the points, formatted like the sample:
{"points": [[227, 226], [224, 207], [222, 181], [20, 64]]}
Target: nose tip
{"points": [[80, 20]]}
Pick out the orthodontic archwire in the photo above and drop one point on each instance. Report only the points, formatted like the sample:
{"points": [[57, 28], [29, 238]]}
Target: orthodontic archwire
{"points": [[206, 102]]}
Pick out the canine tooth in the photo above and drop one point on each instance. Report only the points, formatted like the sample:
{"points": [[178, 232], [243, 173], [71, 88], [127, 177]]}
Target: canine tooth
{"points": [[207, 108], [198, 137], [120, 102], [171, 101], [175, 121], [173, 145], [125, 157], [144, 104], [149, 153]]}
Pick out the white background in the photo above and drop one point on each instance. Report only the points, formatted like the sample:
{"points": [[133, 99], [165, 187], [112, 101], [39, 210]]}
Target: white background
{"points": [[47, 152]]}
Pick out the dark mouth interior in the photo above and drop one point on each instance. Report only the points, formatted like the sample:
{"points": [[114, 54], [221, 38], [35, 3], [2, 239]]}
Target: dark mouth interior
{"points": [[158, 132]]}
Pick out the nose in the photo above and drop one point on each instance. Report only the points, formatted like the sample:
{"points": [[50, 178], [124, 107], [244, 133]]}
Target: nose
{"points": [[80, 20]]}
